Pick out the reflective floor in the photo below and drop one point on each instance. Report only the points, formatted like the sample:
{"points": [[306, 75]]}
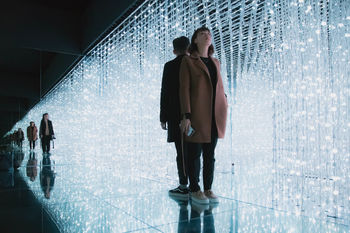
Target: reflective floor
{"points": [[93, 194]]}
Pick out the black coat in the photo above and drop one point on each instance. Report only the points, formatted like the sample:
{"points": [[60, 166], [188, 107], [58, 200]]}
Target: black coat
{"points": [[20, 135], [43, 128], [169, 98]]}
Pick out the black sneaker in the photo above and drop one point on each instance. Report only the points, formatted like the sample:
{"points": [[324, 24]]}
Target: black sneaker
{"points": [[180, 193]]}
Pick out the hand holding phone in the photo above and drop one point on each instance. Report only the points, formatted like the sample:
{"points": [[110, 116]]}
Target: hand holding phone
{"points": [[190, 131]]}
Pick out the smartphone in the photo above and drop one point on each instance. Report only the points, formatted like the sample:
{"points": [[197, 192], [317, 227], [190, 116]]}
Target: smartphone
{"points": [[190, 131]]}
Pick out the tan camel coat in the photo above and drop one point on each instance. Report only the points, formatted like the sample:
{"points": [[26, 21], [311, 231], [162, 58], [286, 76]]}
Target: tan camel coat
{"points": [[196, 98], [32, 134]]}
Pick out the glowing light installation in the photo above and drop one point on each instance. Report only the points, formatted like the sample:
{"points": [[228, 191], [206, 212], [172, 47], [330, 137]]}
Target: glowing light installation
{"points": [[287, 68]]}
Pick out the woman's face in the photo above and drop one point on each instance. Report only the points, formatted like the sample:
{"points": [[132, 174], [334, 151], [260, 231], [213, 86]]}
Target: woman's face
{"points": [[203, 38]]}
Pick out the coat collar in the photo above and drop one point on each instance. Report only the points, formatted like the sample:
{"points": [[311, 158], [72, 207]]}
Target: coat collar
{"points": [[200, 63]]}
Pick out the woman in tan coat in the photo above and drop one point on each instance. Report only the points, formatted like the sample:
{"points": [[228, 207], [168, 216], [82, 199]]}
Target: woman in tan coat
{"points": [[204, 109], [32, 135]]}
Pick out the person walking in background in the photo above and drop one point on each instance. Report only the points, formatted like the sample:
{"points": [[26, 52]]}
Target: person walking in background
{"points": [[32, 135], [20, 137], [204, 110], [170, 115], [14, 138], [46, 133]]}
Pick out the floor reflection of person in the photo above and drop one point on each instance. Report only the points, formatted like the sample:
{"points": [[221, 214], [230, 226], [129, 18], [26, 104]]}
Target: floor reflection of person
{"points": [[18, 158], [192, 222], [183, 223], [47, 176], [208, 221], [195, 223], [32, 167]]}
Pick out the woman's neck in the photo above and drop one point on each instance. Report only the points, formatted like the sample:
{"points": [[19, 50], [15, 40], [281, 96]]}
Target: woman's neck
{"points": [[203, 51]]}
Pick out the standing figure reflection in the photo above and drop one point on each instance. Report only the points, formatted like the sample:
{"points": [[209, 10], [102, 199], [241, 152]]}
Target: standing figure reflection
{"points": [[191, 222], [32, 166], [47, 176]]}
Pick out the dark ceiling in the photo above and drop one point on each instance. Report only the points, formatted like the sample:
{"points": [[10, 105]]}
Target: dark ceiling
{"points": [[41, 40]]}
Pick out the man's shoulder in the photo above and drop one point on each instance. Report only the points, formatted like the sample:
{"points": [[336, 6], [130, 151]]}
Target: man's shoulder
{"points": [[173, 64], [177, 60], [168, 63]]}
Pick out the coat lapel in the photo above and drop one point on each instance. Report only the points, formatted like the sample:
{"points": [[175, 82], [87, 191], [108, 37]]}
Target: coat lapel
{"points": [[200, 64]]}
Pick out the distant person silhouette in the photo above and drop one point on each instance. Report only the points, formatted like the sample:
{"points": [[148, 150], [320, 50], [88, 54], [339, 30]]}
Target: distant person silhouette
{"points": [[20, 137], [46, 133], [32, 135]]}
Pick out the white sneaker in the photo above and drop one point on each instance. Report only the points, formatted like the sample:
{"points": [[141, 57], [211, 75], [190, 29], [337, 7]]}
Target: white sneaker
{"points": [[211, 196], [199, 197]]}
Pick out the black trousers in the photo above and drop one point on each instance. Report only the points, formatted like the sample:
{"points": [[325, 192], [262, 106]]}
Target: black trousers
{"points": [[32, 144], [181, 161], [45, 143], [194, 151]]}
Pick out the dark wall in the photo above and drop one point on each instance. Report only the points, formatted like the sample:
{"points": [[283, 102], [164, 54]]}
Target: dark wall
{"points": [[41, 41]]}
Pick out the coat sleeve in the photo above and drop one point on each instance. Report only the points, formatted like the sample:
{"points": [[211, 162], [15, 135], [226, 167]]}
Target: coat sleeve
{"points": [[53, 133], [164, 95], [35, 133], [41, 129], [184, 90], [28, 132]]}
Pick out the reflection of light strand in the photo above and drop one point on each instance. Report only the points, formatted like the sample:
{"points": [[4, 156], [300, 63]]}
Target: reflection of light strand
{"points": [[108, 105]]}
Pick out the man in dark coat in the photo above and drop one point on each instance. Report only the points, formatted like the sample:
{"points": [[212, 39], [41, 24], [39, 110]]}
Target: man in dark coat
{"points": [[20, 137], [170, 115], [46, 133]]}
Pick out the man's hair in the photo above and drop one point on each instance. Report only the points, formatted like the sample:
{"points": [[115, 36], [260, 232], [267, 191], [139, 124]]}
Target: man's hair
{"points": [[45, 114], [181, 44]]}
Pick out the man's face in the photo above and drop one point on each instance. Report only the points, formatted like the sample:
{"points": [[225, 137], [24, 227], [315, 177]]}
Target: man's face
{"points": [[46, 116]]}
